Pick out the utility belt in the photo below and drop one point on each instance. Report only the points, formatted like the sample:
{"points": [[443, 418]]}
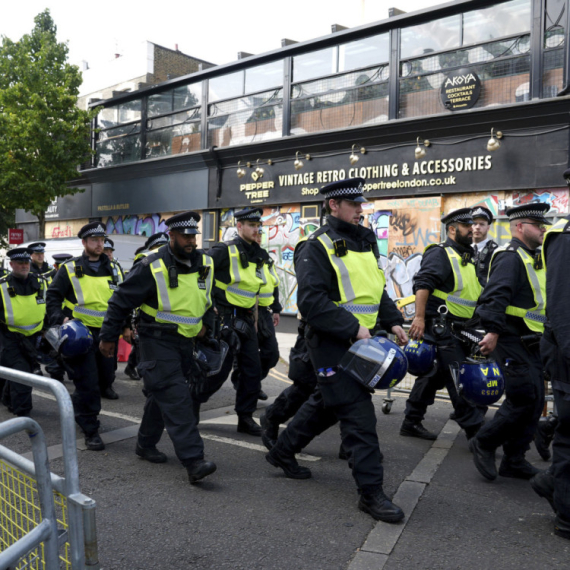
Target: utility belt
{"points": [[158, 330], [532, 341]]}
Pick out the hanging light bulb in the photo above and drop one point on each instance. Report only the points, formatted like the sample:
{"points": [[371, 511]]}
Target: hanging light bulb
{"points": [[240, 171], [260, 171], [298, 164], [493, 143], [421, 152], [353, 158]]}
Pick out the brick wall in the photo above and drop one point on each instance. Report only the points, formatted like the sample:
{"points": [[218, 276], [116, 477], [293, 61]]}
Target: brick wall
{"points": [[174, 63]]}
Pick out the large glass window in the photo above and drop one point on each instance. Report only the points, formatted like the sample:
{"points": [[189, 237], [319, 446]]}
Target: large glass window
{"points": [[119, 114], [363, 53], [264, 77], [226, 86], [437, 35], [315, 64], [174, 99], [119, 145], [499, 21], [247, 119], [554, 33], [173, 134]]}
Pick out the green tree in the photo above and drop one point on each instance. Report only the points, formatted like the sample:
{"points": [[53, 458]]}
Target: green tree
{"points": [[44, 136]]}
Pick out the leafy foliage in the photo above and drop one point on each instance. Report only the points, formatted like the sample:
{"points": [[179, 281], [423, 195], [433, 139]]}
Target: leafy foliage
{"points": [[44, 136]]}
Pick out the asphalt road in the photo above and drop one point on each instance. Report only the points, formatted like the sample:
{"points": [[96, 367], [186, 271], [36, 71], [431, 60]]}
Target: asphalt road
{"points": [[247, 515]]}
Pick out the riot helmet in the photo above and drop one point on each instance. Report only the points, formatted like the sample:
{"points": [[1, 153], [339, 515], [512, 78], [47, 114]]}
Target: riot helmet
{"points": [[210, 355], [479, 380], [421, 357], [70, 339]]}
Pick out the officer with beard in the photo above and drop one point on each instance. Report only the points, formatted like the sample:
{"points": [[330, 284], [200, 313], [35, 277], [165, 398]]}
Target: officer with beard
{"points": [[446, 281], [173, 288], [85, 284]]}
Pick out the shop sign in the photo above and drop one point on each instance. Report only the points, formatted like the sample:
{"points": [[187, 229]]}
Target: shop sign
{"points": [[15, 237], [460, 90]]}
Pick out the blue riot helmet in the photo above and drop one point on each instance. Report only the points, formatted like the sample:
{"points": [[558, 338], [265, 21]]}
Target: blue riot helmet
{"points": [[421, 357], [210, 355], [479, 380], [70, 339], [377, 363], [44, 351]]}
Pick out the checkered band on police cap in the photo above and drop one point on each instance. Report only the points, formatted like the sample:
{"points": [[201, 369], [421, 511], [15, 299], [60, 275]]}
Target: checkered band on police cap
{"points": [[161, 238], [92, 230], [19, 254], [189, 223], [527, 213], [254, 215], [481, 213], [108, 244], [38, 247]]}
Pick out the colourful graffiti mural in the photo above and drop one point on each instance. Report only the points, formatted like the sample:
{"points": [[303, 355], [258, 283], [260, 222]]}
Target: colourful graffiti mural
{"points": [[556, 198], [137, 225]]}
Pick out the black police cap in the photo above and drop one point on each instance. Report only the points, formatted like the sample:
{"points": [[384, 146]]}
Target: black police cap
{"points": [[482, 212], [19, 254], [94, 229], [109, 244], [185, 223], [348, 189], [462, 215], [248, 215], [159, 238], [61, 257], [531, 210], [38, 247]]}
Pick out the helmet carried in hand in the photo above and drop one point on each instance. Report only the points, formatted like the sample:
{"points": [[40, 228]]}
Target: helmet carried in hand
{"points": [[421, 357], [377, 363], [70, 339], [210, 355], [479, 380]]}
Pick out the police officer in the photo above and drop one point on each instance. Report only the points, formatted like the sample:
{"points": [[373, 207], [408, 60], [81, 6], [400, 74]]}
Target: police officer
{"points": [[341, 291], [173, 288], [85, 284], [445, 283], [39, 265], [512, 310], [239, 266], [22, 316], [483, 246], [554, 483]]}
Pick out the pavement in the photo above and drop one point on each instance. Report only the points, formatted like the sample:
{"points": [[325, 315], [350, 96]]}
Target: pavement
{"points": [[247, 515]]}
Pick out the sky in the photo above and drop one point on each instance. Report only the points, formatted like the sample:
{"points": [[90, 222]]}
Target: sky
{"points": [[211, 30]]}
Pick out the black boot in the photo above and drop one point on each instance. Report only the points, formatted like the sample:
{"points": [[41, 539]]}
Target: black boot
{"points": [[94, 442], [269, 431], [150, 454], [561, 527], [380, 507], [262, 395], [289, 465], [131, 372], [484, 460], [412, 429], [517, 467], [109, 394], [246, 424], [342, 454], [543, 485], [544, 436], [199, 469]]}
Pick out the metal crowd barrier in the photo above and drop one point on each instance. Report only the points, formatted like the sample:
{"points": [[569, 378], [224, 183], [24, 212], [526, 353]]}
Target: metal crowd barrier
{"points": [[45, 521]]}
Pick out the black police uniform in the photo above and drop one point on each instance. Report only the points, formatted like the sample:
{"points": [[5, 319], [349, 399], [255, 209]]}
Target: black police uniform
{"points": [[518, 355], [166, 357], [331, 329], [483, 254], [45, 269], [555, 351], [18, 350], [436, 273], [248, 357], [91, 372]]}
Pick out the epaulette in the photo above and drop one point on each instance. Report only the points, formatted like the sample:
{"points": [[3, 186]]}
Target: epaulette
{"points": [[512, 247], [144, 261], [322, 230]]}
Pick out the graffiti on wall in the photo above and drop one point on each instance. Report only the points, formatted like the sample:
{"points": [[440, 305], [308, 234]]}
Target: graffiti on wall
{"points": [[556, 198], [64, 229], [136, 225]]}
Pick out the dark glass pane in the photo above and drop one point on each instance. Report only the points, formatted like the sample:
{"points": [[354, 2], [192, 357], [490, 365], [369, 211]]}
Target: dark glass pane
{"points": [[314, 64], [118, 146], [264, 77], [187, 96], [226, 86], [554, 23], [119, 114], [363, 53], [159, 103], [553, 74], [506, 19], [184, 137], [437, 35]]}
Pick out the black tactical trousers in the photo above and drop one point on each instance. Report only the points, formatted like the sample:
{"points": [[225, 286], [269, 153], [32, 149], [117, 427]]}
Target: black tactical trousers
{"points": [[338, 398], [268, 347], [557, 367], [515, 422], [449, 351], [134, 356], [88, 372], [165, 368], [16, 396]]}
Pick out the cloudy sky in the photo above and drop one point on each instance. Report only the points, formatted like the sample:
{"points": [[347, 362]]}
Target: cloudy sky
{"points": [[212, 30]]}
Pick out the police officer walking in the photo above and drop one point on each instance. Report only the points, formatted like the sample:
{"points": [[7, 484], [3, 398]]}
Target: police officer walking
{"points": [[173, 288], [22, 315], [483, 246], [512, 311], [39, 265], [239, 267], [446, 289], [341, 292], [554, 483], [85, 285]]}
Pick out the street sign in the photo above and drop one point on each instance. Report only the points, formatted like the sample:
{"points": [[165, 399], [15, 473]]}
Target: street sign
{"points": [[15, 237]]}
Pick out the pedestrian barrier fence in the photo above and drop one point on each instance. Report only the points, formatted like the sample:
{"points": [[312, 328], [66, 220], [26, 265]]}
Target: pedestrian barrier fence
{"points": [[45, 521]]}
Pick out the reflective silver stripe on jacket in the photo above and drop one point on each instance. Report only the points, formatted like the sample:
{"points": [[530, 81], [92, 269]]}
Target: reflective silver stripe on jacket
{"points": [[8, 310], [535, 284], [460, 301], [234, 254], [361, 309], [77, 288], [457, 272], [344, 275], [209, 262], [89, 312], [178, 319], [26, 327], [265, 295], [162, 286], [241, 292]]}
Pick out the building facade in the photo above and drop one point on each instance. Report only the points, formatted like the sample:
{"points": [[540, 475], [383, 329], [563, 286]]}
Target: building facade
{"points": [[410, 103]]}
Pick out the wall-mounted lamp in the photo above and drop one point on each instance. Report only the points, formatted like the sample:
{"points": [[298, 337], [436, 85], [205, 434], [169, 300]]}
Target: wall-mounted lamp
{"points": [[240, 171], [298, 164], [493, 143], [260, 171], [353, 158], [421, 152]]}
